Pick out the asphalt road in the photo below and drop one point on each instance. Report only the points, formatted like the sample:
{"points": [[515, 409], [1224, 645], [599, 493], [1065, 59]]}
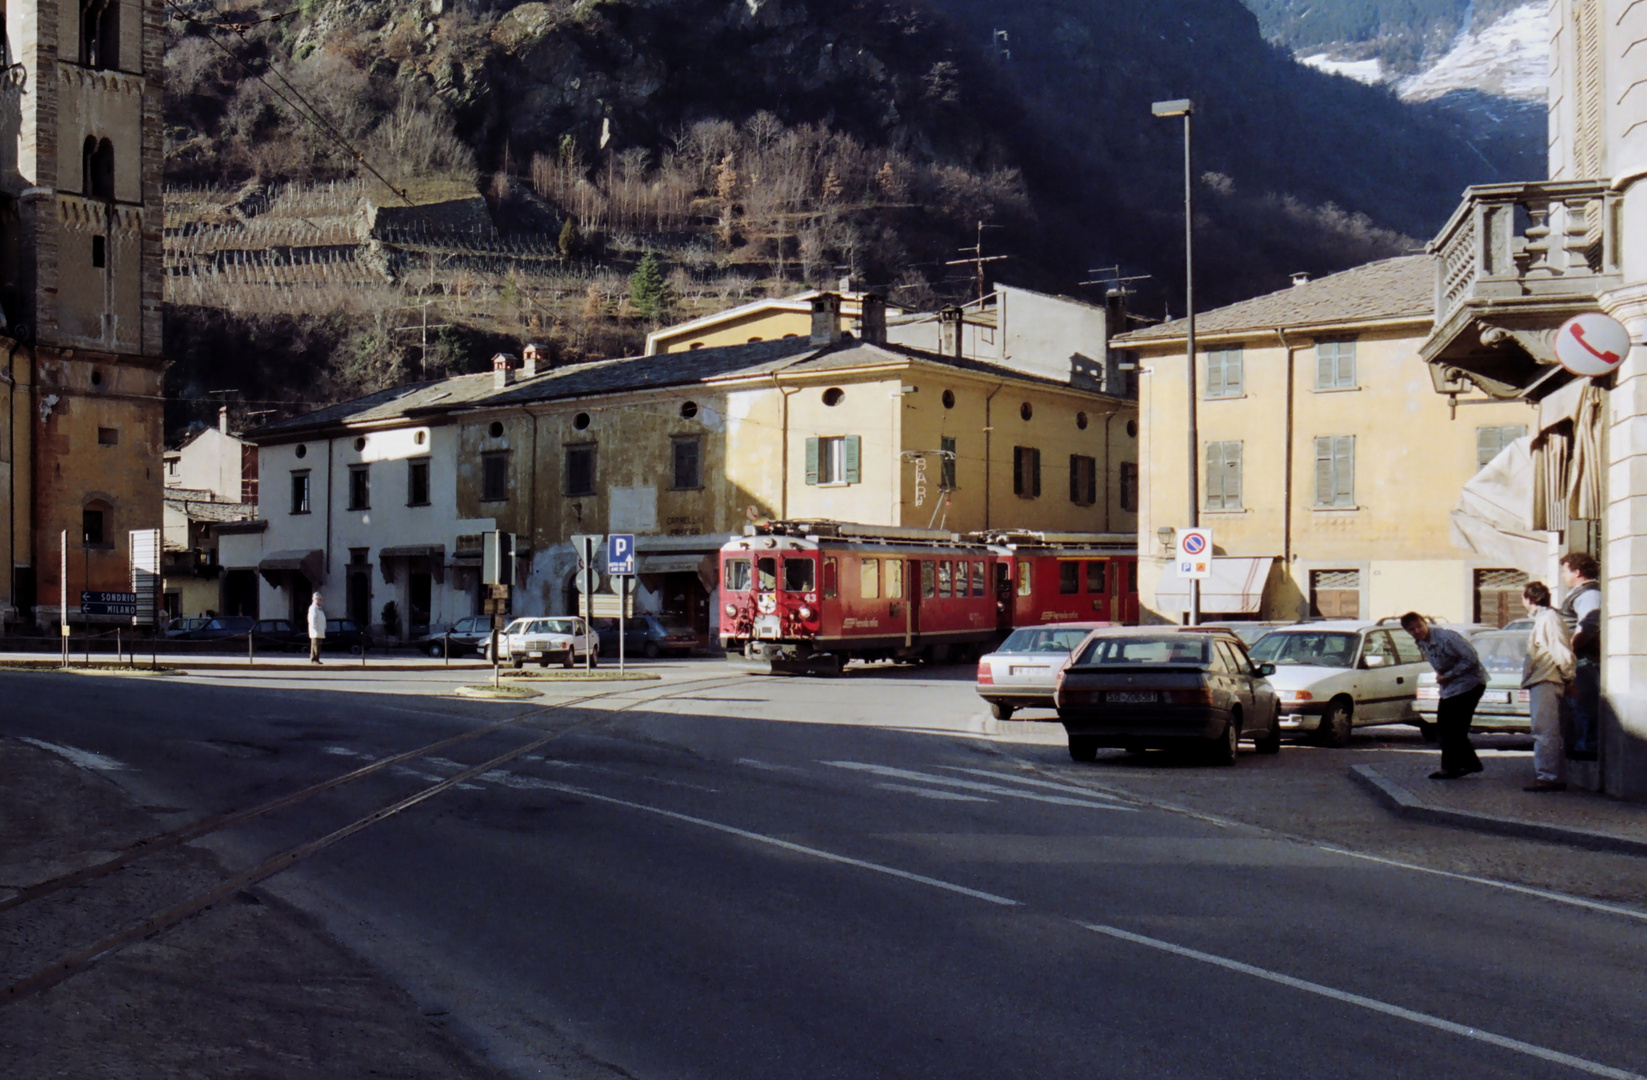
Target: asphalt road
{"points": [[701, 893]]}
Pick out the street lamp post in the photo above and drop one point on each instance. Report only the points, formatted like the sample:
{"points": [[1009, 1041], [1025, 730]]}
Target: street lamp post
{"points": [[1185, 108]]}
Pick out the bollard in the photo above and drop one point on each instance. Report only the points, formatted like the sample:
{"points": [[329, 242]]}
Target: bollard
{"points": [[119, 650], [251, 655]]}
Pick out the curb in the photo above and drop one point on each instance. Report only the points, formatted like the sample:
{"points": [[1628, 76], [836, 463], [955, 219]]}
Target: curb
{"points": [[1407, 805], [507, 693], [176, 668]]}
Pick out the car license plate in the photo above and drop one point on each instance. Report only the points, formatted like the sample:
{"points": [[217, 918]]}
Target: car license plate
{"points": [[1496, 697], [1130, 697], [1033, 670]]}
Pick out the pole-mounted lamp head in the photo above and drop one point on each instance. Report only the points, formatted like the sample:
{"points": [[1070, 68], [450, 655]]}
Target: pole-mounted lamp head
{"points": [[1180, 107]]}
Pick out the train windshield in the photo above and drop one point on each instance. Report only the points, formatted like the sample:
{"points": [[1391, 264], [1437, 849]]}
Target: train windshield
{"points": [[737, 575], [766, 574], [799, 575]]}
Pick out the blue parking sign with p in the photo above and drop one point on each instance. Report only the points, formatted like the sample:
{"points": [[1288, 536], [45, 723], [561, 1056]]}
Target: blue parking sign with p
{"points": [[620, 553]]}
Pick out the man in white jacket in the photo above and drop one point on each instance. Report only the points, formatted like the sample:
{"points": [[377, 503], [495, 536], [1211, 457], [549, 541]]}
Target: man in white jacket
{"points": [[1550, 666], [317, 628]]}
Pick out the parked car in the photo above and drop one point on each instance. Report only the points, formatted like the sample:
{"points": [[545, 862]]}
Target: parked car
{"points": [[1505, 706], [1138, 687], [1335, 675], [1248, 632], [179, 629], [279, 634], [462, 638], [214, 628], [566, 639], [650, 636], [1022, 672], [1523, 625], [343, 634]]}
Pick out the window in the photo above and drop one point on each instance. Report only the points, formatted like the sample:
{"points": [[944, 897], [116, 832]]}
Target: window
{"points": [[494, 475], [1069, 578], [1335, 365], [833, 460], [360, 487], [980, 578], [417, 482], [799, 575], [1129, 487], [300, 491], [869, 579], [100, 34], [1335, 471], [1490, 441], [686, 464], [100, 253], [97, 169], [171, 467], [108, 436], [766, 574], [831, 575], [1083, 480], [929, 579], [737, 575], [1026, 472], [1223, 479], [1406, 649], [94, 523], [1378, 650], [943, 579], [1224, 374], [1097, 577], [1025, 577], [1335, 594], [946, 470], [894, 579]]}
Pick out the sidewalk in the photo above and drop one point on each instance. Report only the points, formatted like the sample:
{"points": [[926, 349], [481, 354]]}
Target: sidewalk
{"points": [[230, 661], [1493, 801]]}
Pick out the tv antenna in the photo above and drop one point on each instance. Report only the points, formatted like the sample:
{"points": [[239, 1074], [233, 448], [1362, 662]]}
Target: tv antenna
{"points": [[979, 258], [1115, 285]]}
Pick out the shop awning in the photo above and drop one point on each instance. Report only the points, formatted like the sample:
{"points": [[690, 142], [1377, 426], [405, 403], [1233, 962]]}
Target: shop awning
{"points": [[704, 564], [1236, 587], [435, 553], [1497, 508], [311, 564]]}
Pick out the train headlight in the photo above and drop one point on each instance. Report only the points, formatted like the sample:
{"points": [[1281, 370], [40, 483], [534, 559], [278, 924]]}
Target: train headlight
{"points": [[731, 611], [804, 612]]}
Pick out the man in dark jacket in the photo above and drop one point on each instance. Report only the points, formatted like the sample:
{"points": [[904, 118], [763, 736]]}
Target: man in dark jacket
{"points": [[1462, 679], [1581, 610]]}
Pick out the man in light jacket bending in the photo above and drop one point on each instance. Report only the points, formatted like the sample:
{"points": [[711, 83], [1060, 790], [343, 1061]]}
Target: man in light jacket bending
{"points": [[1550, 667], [317, 628]]}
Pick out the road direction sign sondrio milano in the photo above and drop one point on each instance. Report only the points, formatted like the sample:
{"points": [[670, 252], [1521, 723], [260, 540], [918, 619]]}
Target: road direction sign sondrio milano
{"points": [[620, 553], [1592, 344], [108, 603], [1194, 553]]}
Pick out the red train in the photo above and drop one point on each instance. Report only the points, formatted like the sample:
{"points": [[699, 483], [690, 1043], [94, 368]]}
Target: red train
{"points": [[802, 595]]}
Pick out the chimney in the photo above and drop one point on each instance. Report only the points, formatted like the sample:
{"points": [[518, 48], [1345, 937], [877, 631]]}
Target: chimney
{"points": [[534, 359], [846, 283], [872, 319], [223, 419], [1300, 277], [826, 318], [950, 321], [503, 370]]}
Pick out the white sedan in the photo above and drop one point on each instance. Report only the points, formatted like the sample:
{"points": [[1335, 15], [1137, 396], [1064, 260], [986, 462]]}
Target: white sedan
{"points": [[1023, 672], [567, 640]]}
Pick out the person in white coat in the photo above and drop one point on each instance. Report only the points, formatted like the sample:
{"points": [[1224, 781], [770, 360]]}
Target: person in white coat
{"points": [[317, 628], [1548, 671]]}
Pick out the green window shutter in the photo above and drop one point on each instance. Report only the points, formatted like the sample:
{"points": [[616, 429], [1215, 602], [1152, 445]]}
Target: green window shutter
{"points": [[1035, 472], [1215, 374], [812, 462], [1232, 373], [1075, 479], [1232, 476], [1092, 482], [1344, 470], [1213, 476], [1346, 364], [853, 450], [1323, 471], [1325, 354], [1017, 470]]}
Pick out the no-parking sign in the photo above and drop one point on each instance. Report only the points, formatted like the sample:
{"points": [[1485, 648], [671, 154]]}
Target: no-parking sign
{"points": [[1194, 553]]}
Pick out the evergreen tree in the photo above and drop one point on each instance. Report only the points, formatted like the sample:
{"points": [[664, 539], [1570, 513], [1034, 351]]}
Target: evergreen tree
{"points": [[569, 239], [648, 290]]}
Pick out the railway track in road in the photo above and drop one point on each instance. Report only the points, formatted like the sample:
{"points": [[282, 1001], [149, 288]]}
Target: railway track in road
{"points": [[44, 978]]}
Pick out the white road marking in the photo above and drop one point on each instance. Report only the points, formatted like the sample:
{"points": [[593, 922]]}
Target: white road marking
{"points": [[764, 765], [1532, 1050], [342, 751], [929, 793], [818, 853], [86, 759], [1029, 781], [972, 785]]}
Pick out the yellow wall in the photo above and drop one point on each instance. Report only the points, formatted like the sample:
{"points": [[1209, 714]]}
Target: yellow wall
{"points": [[737, 330], [1411, 462]]}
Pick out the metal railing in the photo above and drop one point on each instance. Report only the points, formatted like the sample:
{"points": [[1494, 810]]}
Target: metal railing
{"points": [[1549, 240]]}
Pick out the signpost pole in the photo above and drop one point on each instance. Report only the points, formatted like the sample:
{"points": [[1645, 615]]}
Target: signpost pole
{"points": [[623, 617], [63, 593]]}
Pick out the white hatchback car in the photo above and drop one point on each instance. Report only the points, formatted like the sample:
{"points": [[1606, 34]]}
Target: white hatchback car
{"points": [[566, 639], [1335, 675]]}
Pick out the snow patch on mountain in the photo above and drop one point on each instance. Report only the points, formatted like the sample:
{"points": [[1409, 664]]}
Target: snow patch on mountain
{"points": [[1370, 72], [1510, 58]]}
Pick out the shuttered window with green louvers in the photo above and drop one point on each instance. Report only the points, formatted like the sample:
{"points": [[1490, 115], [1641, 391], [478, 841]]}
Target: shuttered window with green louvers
{"points": [[834, 459], [1223, 476], [1335, 471]]}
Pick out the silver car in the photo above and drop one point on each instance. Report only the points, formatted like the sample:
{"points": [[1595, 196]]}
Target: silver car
{"points": [[1023, 672], [1504, 706], [1335, 675]]}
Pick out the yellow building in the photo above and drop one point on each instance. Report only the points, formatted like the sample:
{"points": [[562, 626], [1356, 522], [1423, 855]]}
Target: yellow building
{"points": [[1328, 466], [682, 452], [768, 319]]}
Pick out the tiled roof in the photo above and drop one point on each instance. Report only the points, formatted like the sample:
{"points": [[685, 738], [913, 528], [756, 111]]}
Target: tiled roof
{"points": [[624, 375], [207, 510], [1400, 288]]}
